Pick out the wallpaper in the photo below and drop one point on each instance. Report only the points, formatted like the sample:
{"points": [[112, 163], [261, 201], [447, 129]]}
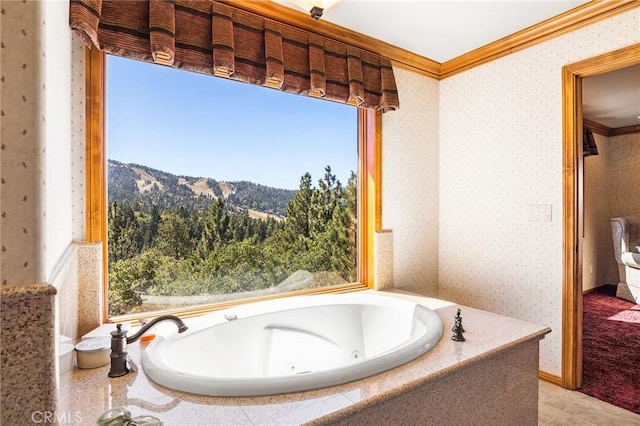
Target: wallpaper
{"points": [[77, 139], [410, 183], [22, 120], [623, 161], [39, 203], [57, 124], [37, 192], [597, 247], [611, 190], [500, 158], [465, 161]]}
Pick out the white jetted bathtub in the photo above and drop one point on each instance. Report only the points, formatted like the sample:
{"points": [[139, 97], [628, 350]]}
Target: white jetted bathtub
{"points": [[292, 344]]}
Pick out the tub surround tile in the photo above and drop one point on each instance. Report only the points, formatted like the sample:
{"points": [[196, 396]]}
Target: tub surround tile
{"points": [[499, 360], [27, 353], [76, 282], [89, 286], [65, 355], [383, 263], [65, 279]]}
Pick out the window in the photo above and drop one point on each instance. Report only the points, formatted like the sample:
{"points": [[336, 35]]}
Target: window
{"points": [[186, 234]]}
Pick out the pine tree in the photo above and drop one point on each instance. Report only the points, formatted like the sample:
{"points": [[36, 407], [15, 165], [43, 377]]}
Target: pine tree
{"points": [[152, 228], [124, 233], [298, 223], [324, 201], [174, 237], [351, 197], [215, 227]]}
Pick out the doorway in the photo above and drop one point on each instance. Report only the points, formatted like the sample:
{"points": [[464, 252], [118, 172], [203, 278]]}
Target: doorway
{"points": [[572, 76]]}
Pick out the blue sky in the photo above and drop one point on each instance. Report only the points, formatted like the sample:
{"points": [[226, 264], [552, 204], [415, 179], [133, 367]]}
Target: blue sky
{"points": [[197, 125]]}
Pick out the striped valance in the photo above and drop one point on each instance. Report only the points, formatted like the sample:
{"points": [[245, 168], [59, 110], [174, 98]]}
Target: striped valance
{"points": [[214, 38]]}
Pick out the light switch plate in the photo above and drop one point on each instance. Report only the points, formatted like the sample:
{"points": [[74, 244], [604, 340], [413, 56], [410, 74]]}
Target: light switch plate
{"points": [[539, 212]]}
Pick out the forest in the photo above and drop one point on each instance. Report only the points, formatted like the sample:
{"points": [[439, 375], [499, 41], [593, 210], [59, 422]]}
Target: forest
{"points": [[177, 243]]}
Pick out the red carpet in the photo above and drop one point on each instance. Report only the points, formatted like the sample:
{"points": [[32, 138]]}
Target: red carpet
{"points": [[611, 350]]}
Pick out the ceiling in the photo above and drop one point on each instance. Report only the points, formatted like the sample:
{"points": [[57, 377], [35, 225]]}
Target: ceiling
{"points": [[613, 99], [438, 30], [443, 30]]}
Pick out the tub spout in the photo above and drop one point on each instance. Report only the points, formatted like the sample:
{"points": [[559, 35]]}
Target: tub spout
{"points": [[181, 327], [119, 341]]}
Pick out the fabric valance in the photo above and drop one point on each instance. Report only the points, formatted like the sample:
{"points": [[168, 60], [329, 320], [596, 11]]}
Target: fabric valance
{"points": [[210, 37]]}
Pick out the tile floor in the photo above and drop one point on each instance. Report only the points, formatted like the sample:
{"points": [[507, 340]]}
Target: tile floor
{"points": [[558, 406]]}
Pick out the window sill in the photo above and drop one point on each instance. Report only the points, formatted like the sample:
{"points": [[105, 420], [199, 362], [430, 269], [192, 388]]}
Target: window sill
{"points": [[195, 311]]}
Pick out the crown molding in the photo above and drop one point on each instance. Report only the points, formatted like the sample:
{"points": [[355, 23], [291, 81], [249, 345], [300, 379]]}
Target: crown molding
{"points": [[608, 131], [628, 130], [597, 127], [573, 19]]}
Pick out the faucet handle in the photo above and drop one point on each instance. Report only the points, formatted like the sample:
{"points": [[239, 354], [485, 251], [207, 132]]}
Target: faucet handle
{"points": [[118, 352], [119, 332]]}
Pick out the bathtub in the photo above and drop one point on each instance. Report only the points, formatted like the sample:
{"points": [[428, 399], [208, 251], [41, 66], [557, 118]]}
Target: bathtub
{"points": [[292, 344]]}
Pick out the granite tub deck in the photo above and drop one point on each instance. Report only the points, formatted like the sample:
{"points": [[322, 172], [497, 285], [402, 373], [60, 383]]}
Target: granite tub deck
{"points": [[491, 378]]}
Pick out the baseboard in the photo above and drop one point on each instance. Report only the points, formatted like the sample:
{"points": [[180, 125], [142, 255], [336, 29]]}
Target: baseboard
{"points": [[551, 378], [598, 288]]}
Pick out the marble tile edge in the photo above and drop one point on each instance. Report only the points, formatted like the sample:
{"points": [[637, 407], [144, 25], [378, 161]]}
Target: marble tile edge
{"points": [[84, 244], [27, 291]]}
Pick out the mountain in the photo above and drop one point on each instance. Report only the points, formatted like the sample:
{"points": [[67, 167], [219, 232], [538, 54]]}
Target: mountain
{"points": [[147, 186]]}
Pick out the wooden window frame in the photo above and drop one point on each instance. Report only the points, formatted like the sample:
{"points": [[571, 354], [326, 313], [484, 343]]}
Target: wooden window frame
{"points": [[369, 190]]}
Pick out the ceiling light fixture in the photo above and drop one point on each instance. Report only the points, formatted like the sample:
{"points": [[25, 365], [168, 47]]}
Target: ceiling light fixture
{"points": [[316, 12], [315, 7]]}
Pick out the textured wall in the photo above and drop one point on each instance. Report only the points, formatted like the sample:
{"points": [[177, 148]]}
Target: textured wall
{"points": [[78, 106], [624, 174], [57, 123], [611, 190], [37, 164], [89, 297], [501, 151], [37, 206], [27, 353], [597, 247], [65, 279], [23, 121], [410, 183]]}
